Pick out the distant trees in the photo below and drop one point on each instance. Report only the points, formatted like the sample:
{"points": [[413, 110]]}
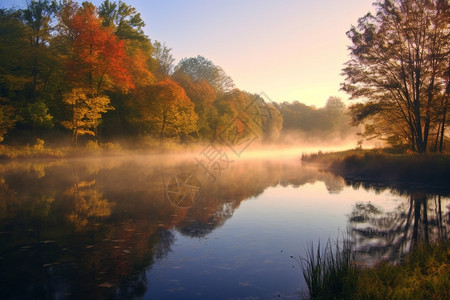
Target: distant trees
{"points": [[400, 69], [327, 122]]}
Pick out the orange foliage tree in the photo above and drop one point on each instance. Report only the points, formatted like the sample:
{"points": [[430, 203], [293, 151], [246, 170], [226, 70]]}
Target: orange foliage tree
{"points": [[98, 57]]}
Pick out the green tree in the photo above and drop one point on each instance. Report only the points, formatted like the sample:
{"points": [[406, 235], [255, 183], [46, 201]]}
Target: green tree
{"points": [[201, 68], [400, 68], [126, 21], [163, 57], [38, 17], [7, 120], [14, 70]]}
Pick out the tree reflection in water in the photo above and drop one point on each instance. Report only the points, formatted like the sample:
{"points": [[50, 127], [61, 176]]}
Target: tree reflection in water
{"points": [[72, 228], [388, 235]]}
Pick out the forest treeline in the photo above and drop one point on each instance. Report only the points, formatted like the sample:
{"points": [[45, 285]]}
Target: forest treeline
{"points": [[69, 70]]}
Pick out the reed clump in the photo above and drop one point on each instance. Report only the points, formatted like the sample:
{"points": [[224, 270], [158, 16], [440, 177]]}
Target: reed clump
{"points": [[333, 273]]}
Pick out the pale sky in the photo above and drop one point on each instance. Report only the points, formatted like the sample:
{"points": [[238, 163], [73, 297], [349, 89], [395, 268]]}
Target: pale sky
{"points": [[288, 49]]}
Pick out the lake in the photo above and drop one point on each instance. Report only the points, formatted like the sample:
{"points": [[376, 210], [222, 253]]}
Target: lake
{"points": [[177, 227]]}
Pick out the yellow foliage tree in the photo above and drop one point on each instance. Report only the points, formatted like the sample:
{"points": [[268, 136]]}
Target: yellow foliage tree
{"points": [[169, 110], [86, 108]]}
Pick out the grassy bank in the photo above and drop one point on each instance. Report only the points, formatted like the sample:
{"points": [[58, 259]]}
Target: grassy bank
{"points": [[385, 165], [334, 274], [40, 150]]}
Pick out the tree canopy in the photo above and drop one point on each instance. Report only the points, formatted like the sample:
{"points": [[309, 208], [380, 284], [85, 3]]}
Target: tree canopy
{"points": [[93, 73], [400, 70]]}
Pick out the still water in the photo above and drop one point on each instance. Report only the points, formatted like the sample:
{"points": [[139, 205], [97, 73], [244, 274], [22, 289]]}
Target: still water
{"points": [[158, 227]]}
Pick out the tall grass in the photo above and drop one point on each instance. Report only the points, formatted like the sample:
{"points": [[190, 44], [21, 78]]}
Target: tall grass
{"points": [[328, 271], [332, 273]]}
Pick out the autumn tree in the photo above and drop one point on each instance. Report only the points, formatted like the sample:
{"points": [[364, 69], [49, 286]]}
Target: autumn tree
{"points": [[98, 57], [203, 96], [168, 110], [127, 25], [239, 117], [400, 68], [86, 108]]}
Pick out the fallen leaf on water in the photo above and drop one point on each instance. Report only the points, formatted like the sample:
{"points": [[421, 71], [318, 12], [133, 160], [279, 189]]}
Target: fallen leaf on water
{"points": [[106, 285]]}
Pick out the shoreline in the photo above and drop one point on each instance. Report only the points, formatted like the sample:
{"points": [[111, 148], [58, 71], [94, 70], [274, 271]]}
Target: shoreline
{"points": [[385, 166]]}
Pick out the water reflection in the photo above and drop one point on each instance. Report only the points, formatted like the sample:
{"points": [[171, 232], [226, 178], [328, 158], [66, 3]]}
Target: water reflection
{"points": [[388, 235], [94, 227]]}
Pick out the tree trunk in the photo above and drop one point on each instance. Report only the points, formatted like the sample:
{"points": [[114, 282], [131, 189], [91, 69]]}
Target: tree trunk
{"points": [[161, 133], [444, 119]]}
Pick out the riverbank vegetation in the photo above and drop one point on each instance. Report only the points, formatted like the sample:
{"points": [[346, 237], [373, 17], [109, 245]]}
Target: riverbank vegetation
{"points": [[385, 165], [334, 273]]}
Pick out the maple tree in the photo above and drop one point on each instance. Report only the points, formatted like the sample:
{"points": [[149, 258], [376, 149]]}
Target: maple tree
{"points": [[98, 57]]}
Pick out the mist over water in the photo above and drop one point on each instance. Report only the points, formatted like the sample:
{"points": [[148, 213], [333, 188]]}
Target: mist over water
{"points": [[159, 226]]}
